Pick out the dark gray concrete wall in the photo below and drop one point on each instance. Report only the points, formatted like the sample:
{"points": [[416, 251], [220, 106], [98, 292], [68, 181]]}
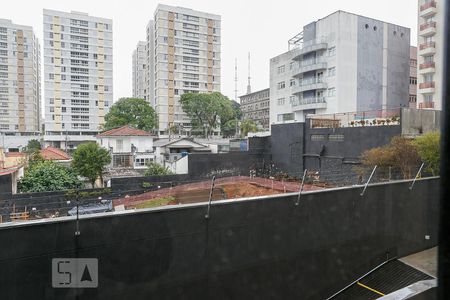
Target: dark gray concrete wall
{"points": [[223, 164], [287, 146], [5, 186], [265, 248], [356, 140]]}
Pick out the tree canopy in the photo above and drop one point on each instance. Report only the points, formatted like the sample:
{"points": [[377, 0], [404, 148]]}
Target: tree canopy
{"points": [[89, 160], [248, 126], [206, 109], [33, 146], [131, 111], [428, 146], [155, 169], [401, 154], [228, 124], [44, 176]]}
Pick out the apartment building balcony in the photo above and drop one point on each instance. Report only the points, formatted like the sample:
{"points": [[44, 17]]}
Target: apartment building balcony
{"points": [[310, 65], [310, 46], [427, 67], [426, 87], [310, 84], [428, 9], [427, 48], [427, 29], [424, 105], [309, 103]]}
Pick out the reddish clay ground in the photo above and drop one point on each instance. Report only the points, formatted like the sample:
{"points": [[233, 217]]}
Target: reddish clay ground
{"points": [[225, 188]]}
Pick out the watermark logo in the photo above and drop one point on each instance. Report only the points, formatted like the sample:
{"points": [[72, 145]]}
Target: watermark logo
{"points": [[74, 272]]}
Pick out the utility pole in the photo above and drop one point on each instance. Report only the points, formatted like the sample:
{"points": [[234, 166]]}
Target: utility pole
{"points": [[235, 92]]}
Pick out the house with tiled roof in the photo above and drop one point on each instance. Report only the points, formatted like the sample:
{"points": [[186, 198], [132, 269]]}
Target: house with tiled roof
{"points": [[55, 154], [129, 147]]}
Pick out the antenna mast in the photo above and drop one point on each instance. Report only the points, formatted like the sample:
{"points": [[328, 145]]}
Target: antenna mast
{"points": [[235, 80], [249, 88]]}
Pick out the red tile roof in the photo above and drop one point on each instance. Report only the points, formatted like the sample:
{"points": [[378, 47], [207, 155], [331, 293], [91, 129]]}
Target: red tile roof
{"points": [[15, 154], [51, 153], [126, 130]]}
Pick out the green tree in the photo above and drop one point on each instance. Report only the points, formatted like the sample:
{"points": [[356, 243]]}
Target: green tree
{"points": [[155, 169], [428, 146], [33, 146], [248, 126], [401, 154], [45, 176], [229, 128], [228, 124], [131, 111], [89, 160], [206, 109]]}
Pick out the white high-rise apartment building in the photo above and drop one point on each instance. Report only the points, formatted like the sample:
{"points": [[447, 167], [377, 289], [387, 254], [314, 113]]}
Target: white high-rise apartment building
{"points": [[149, 77], [430, 53], [139, 71], [341, 63], [20, 86], [78, 69], [185, 58]]}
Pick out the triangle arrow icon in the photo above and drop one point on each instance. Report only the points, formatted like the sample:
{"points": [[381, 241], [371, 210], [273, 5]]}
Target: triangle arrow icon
{"points": [[86, 275]]}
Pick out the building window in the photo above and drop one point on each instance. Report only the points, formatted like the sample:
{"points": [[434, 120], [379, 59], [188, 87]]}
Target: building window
{"points": [[281, 85], [332, 71], [331, 92], [336, 137], [292, 82], [280, 101], [413, 80], [412, 98], [285, 117], [318, 137], [119, 145], [332, 51], [281, 69]]}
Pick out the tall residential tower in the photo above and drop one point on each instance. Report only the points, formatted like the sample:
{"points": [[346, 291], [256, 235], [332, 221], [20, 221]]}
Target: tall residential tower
{"points": [[78, 76], [20, 86], [341, 63], [139, 71], [430, 53], [185, 55]]}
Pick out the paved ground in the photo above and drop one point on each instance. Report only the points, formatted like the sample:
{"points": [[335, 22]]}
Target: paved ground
{"points": [[425, 261]]}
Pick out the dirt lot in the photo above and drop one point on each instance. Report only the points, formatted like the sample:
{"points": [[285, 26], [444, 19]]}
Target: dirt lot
{"points": [[225, 188]]}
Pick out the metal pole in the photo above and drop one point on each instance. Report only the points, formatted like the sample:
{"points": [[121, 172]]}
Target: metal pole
{"points": [[210, 197], [301, 188], [417, 175], [77, 230], [367, 183]]}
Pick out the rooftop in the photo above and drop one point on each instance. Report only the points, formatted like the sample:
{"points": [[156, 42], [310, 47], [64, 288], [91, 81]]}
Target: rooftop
{"points": [[126, 130], [51, 153]]}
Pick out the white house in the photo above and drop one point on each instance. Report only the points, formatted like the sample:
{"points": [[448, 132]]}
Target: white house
{"points": [[129, 147], [170, 150]]}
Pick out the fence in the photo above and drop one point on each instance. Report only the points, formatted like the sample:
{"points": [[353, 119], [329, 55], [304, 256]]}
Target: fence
{"points": [[380, 117], [174, 190]]}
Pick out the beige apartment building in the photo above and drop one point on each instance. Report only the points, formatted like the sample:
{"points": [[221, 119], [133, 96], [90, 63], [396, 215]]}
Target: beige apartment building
{"points": [[20, 91], [430, 54], [78, 68], [184, 58]]}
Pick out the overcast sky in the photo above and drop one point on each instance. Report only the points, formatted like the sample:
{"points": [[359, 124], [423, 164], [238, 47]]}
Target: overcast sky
{"points": [[260, 27]]}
